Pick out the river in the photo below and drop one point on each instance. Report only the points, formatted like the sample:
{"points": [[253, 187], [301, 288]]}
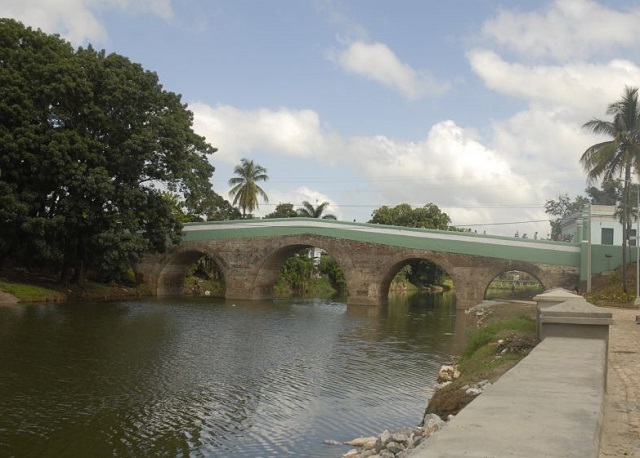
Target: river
{"points": [[209, 377]]}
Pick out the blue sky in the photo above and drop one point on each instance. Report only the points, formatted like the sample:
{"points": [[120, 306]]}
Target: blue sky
{"points": [[476, 106]]}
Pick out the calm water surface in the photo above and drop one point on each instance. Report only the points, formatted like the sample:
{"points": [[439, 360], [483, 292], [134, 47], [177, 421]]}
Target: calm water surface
{"points": [[214, 378]]}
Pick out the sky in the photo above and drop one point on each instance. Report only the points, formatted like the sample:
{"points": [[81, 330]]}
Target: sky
{"points": [[475, 106]]}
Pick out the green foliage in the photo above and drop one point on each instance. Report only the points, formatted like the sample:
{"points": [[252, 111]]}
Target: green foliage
{"points": [[296, 273], [561, 208], [309, 211], [330, 269], [87, 139], [30, 293], [300, 275], [610, 194], [493, 331], [425, 273], [619, 156], [245, 189], [427, 217], [211, 208], [283, 211]]}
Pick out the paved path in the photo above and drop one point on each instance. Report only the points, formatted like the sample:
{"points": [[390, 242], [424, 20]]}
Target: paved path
{"points": [[621, 428]]}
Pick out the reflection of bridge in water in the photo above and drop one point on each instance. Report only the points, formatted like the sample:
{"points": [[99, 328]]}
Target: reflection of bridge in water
{"points": [[250, 253]]}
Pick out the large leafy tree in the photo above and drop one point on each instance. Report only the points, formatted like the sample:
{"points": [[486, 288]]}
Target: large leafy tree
{"points": [[618, 156], [87, 142], [211, 208], [283, 210], [561, 208], [245, 189], [309, 211], [428, 217], [610, 193]]}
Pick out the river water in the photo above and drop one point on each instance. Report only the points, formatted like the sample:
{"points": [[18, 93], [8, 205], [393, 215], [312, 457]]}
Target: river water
{"points": [[215, 378]]}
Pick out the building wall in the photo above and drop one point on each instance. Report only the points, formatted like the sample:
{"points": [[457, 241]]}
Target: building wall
{"points": [[600, 217]]}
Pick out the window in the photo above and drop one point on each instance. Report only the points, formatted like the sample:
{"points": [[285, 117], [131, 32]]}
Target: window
{"points": [[607, 236], [632, 237]]}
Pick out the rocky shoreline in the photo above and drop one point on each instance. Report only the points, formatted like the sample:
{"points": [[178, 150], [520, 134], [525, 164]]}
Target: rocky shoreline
{"points": [[401, 442]]}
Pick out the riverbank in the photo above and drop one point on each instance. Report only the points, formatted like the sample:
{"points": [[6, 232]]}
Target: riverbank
{"points": [[621, 421], [17, 285], [499, 335]]}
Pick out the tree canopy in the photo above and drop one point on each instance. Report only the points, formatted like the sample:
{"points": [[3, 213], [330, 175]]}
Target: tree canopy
{"points": [[309, 211], [245, 189], [89, 141], [428, 217], [561, 208], [283, 210]]}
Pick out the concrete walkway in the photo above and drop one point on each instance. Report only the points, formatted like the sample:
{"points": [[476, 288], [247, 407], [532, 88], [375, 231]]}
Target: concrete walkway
{"points": [[621, 426], [548, 405]]}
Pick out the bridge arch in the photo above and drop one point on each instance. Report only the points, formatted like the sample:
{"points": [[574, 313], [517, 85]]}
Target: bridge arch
{"points": [[266, 272], [167, 272], [390, 268], [511, 284]]}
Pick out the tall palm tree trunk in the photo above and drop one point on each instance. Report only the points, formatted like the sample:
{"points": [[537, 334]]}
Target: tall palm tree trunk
{"points": [[625, 226]]}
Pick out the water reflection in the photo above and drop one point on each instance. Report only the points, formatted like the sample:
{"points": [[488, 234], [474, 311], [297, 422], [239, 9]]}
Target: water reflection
{"points": [[202, 377]]}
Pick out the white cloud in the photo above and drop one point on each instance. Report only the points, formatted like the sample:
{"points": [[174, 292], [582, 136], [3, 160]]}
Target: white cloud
{"points": [[448, 168], [237, 132], [76, 20], [581, 89], [375, 61], [567, 29]]}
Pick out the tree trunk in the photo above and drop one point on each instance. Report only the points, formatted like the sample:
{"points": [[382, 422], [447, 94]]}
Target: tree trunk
{"points": [[625, 232]]}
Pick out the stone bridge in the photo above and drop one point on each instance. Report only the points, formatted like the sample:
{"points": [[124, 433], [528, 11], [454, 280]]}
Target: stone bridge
{"points": [[250, 253]]}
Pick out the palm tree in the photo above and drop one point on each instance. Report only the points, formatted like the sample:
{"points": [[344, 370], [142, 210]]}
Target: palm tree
{"points": [[245, 190], [620, 155], [309, 211]]}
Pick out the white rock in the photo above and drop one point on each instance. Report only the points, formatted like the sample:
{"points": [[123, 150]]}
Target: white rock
{"points": [[364, 442]]}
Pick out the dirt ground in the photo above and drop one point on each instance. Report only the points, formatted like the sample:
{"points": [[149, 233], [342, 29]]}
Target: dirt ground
{"points": [[621, 425]]}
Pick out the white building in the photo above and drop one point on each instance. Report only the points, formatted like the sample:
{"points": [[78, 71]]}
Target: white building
{"points": [[601, 222]]}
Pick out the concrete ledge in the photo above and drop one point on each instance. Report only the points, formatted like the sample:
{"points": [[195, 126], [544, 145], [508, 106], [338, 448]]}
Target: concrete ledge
{"points": [[549, 405]]}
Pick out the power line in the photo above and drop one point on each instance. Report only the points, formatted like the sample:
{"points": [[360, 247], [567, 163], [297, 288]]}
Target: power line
{"points": [[523, 206], [504, 223], [404, 178]]}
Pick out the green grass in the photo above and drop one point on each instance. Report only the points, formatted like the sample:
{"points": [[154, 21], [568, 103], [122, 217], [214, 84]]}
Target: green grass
{"points": [[30, 293], [490, 351], [494, 331]]}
